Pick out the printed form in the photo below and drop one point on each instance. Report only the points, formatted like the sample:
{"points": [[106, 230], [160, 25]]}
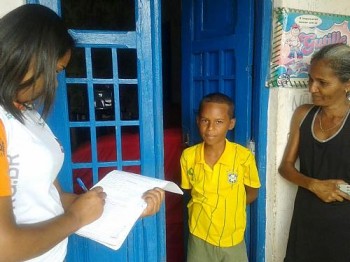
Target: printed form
{"points": [[123, 207]]}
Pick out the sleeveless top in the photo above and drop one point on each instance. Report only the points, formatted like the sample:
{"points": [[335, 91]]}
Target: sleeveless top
{"points": [[321, 231], [34, 158]]}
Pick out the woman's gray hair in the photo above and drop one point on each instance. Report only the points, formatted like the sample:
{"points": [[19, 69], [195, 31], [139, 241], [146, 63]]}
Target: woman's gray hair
{"points": [[338, 57]]}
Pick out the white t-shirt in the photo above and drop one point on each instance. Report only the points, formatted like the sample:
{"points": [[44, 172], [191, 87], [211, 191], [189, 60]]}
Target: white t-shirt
{"points": [[35, 157]]}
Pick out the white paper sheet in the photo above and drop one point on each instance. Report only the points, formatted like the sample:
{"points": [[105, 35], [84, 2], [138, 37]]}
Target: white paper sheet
{"points": [[124, 205]]}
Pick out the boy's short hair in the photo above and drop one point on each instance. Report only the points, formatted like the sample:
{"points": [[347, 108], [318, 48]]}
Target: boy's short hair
{"points": [[219, 98]]}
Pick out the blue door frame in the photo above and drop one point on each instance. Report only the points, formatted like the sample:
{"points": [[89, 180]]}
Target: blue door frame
{"points": [[262, 40], [198, 80]]}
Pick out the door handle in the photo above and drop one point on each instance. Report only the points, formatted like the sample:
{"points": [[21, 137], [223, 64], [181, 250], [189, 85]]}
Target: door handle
{"points": [[186, 139]]}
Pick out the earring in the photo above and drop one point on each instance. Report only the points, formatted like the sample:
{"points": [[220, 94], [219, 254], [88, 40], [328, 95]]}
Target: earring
{"points": [[347, 94]]}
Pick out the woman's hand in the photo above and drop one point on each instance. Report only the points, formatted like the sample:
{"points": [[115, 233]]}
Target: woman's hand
{"points": [[154, 199], [328, 191], [88, 207]]}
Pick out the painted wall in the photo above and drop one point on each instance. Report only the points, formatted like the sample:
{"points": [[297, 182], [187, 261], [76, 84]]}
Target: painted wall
{"points": [[8, 5], [282, 102]]}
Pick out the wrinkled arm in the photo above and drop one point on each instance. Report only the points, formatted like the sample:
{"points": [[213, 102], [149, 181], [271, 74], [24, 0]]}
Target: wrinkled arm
{"points": [[326, 190], [287, 167]]}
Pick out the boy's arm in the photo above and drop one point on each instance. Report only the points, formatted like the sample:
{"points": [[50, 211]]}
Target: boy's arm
{"points": [[252, 194], [185, 183], [251, 180]]}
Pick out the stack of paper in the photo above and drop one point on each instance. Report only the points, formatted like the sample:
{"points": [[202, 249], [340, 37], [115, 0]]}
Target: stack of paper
{"points": [[124, 205]]}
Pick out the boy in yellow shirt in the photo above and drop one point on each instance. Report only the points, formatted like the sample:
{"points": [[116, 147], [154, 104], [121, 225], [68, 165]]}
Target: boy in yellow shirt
{"points": [[223, 179]]}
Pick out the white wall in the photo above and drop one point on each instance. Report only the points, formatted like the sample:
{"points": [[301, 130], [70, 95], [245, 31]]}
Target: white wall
{"points": [[7, 5], [282, 102]]}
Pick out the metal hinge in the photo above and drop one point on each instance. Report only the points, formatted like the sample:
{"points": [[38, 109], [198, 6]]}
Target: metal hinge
{"points": [[186, 139], [251, 146]]}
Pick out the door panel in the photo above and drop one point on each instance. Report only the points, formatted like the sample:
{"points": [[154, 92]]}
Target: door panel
{"points": [[217, 56], [217, 41], [112, 89]]}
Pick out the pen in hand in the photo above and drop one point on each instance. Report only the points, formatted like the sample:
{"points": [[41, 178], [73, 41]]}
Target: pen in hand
{"points": [[81, 184]]}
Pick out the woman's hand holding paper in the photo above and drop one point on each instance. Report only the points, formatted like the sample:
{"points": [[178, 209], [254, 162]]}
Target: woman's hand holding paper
{"points": [[154, 199]]}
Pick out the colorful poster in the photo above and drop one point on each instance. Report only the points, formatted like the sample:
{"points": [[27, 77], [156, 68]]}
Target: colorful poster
{"points": [[297, 34]]}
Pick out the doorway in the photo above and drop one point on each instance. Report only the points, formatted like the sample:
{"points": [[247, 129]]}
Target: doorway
{"points": [[171, 95]]}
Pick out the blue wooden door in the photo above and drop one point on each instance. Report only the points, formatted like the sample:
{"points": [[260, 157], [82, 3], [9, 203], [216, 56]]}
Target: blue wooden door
{"points": [[217, 41], [108, 114], [217, 54]]}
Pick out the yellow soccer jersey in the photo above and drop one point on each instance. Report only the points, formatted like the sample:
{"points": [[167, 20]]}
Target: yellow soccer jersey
{"points": [[217, 209]]}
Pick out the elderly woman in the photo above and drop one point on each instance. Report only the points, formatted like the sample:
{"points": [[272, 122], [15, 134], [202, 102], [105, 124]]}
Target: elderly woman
{"points": [[320, 138]]}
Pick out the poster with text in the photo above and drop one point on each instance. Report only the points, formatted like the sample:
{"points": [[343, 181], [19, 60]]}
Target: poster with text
{"points": [[297, 34]]}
